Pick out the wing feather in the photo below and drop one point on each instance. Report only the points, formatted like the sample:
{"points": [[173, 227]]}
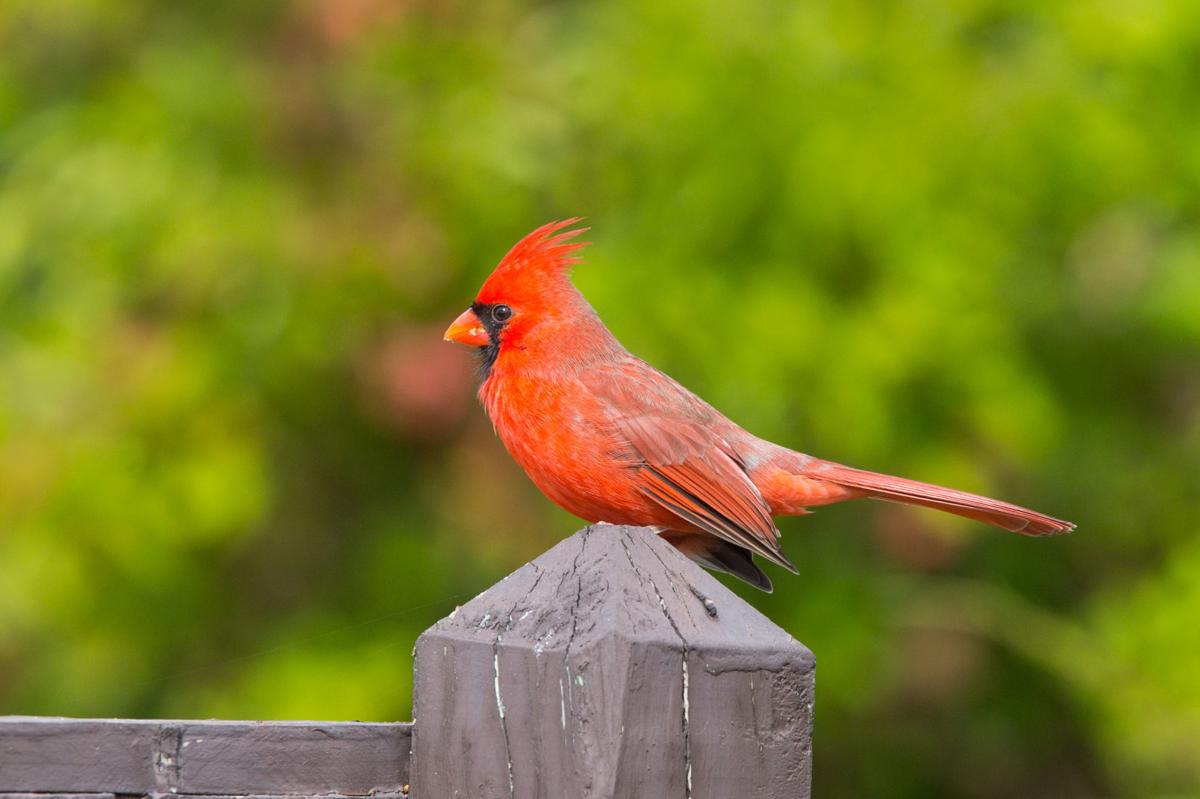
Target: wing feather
{"points": [[682, 463], [686, 469]]}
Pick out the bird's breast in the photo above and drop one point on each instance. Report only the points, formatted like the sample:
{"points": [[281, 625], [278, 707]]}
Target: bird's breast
{"points": [[561, 435]]}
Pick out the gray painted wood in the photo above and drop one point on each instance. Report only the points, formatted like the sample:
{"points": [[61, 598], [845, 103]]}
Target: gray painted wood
{"points": [[54, 755], [611, 666], [376, 795], [57, 796]]}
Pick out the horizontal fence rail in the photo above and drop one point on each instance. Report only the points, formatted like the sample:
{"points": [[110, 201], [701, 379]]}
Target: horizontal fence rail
{"points": [[86, 758]]}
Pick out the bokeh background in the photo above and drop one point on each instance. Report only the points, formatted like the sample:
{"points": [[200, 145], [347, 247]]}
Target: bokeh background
{"points": [[958, 240]]}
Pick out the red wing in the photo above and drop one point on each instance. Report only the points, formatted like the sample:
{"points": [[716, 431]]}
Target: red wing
{"points": [[685, 469]]}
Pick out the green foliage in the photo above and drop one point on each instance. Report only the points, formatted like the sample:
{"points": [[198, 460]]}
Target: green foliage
{"points": [[239, 472]]}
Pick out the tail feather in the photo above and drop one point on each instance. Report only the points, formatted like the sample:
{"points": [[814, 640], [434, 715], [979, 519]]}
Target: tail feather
{"points": [[972, 506], [713, 553]]}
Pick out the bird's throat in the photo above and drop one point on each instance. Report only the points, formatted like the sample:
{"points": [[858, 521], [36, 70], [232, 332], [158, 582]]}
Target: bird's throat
{"points": [[486, 357]]}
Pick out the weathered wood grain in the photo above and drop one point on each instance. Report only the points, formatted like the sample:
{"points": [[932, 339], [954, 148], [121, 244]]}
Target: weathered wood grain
{"points": [[56, 755], [381, 795], [57, 796], [611, 666]]}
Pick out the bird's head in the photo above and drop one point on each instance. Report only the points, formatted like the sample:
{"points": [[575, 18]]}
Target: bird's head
{"points": [[528, 305]]}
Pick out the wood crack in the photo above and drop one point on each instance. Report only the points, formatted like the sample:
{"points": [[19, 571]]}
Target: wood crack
{"points": [[503, 626], [686, 721]]}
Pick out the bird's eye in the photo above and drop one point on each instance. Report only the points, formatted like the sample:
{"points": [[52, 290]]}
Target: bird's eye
{"points": [[501, 313]]}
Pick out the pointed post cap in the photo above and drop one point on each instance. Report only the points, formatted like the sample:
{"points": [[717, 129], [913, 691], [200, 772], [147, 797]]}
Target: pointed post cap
{"points": [[611, 666]]}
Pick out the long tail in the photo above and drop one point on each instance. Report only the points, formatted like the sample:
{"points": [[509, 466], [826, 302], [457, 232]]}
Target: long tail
{"points": [[897, 489]]}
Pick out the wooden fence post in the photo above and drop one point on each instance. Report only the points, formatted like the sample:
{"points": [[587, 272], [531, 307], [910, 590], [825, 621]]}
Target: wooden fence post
{"points": [[611, 666]]}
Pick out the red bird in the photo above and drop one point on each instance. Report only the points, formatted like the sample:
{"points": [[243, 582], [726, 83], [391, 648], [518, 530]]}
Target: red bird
{"points": [[610, 438]]}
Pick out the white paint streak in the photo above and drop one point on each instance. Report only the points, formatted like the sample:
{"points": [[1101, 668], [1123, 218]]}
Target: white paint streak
{"points": [[687, 743], [496, 675], [500, 709]]}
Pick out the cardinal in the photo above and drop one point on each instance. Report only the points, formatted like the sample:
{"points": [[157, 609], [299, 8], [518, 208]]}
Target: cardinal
{"points": [[610, 438]]}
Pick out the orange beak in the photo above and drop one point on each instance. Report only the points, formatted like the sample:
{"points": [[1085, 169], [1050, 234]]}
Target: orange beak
{"points": [[467, 329]]}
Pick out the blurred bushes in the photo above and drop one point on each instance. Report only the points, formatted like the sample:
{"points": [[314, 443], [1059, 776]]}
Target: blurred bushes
{"points": [[239, 472]]}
